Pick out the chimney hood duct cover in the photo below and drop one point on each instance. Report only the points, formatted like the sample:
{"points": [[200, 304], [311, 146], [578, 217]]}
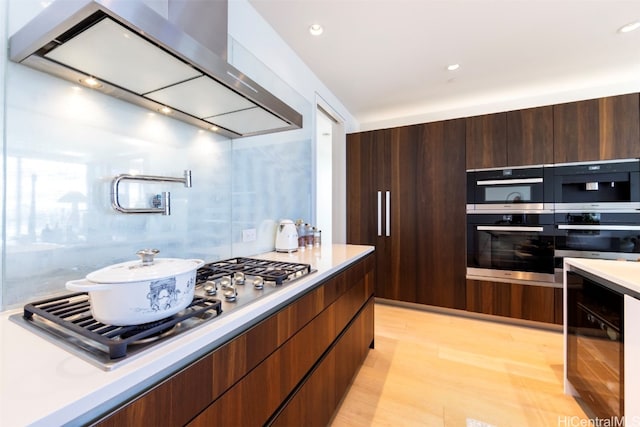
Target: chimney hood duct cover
{"points": [[137, 55]]}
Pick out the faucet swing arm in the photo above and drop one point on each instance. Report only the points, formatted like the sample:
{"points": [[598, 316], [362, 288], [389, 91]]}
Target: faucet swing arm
{"points": [[165, 205]]}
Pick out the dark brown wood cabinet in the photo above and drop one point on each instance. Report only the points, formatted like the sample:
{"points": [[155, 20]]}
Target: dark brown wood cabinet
{"points": [[440, 215], [527, 302], [597, 129], [486, 141], [515, 138], [406, 196], [321, 393], [530, 136], [273, 365], [368, 181]]}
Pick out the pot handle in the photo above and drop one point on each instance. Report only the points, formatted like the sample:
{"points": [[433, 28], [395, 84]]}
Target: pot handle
{"points": [[84, 285], [199, 262]]}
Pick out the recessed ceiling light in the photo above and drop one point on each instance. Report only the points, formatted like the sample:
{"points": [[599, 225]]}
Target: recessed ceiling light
{"points": [[453, 67], [165, 110], [213, 128], [316, 29], [629, 27], [91, 82]]}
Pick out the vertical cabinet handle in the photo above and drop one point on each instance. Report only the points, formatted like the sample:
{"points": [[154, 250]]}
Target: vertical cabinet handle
{"points": [[388, 216], [379, 213]]}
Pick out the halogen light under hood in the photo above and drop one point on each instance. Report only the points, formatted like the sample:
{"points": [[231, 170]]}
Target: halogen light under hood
{"points": [[137, 55]]}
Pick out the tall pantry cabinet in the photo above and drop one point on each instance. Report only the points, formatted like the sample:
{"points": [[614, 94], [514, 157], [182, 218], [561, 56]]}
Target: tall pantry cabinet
{"points": [[405, 195]]}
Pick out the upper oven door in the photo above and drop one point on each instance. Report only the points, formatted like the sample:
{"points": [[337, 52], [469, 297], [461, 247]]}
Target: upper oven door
{"points": [[507, 190], [584, 187], [511, 246]]}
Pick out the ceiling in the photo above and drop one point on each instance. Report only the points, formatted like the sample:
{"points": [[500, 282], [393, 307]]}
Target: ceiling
{"points": [[389, 58]]}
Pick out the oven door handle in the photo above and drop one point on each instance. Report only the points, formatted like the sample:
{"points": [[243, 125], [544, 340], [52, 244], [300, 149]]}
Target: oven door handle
{"points": [[510, 181], [599, 227], [508, 228]]}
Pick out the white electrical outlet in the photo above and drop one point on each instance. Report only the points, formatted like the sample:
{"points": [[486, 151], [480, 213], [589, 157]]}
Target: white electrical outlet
{"points": [[249, 235]]}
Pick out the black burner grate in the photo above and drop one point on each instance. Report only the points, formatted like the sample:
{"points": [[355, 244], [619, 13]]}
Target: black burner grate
{"points": [[67, 321], [72, 313], [271, 271]]}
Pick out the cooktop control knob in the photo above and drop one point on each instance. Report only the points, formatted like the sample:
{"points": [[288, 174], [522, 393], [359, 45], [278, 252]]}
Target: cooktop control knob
{"points": [[238, 278], [230, 294], [210, 288]]}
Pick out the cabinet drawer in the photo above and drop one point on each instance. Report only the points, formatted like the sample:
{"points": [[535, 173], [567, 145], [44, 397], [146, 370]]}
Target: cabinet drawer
{"points": [[527, 302], [269, 384], [317, 398]]}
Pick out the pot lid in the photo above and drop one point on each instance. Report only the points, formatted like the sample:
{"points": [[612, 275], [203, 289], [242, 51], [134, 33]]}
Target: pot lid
{"points": [[147, 268]]}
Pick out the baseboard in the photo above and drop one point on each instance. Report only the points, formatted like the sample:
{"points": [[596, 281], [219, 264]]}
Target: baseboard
{"points": [[472, 315]]}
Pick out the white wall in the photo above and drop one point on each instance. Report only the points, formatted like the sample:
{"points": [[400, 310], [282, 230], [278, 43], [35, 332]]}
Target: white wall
{"points": [[248, 27], [623, 82], [324, 177]]}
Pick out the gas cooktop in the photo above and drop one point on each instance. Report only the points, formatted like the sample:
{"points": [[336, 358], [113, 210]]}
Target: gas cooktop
{"points": [[221, 287]]}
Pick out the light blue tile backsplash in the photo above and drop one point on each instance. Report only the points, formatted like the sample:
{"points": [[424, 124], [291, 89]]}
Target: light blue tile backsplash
{"points": [[63, 146]]}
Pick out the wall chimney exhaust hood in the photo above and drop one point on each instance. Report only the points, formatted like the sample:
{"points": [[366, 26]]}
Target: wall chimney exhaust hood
{"points": [[128, 51]]}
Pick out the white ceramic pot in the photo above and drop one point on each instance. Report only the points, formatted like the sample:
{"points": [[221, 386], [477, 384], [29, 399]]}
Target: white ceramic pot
{"points": [[137, 292]]}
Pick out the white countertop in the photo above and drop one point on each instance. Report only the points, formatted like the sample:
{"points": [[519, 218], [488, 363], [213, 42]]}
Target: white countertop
{"points": [[42, 384], [624, 273]]}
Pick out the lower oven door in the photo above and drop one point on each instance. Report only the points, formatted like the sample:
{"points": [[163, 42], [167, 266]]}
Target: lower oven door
{"points": [[596, 235], [510, 246], [595, 352]]}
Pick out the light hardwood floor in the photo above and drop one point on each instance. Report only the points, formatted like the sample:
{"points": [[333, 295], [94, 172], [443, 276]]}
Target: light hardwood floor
{"points": [[432, 369]]}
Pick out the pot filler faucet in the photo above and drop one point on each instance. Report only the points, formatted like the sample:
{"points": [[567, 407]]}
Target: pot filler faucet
{"points": [[162, 205]]}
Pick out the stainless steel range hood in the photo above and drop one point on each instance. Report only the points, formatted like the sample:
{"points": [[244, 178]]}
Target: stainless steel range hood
{"points": [[133, 53]]}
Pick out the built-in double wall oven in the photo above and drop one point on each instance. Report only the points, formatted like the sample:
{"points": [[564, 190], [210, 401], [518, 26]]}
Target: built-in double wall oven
{"points": [[510, 231], [522, 222], [597, 210]]}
